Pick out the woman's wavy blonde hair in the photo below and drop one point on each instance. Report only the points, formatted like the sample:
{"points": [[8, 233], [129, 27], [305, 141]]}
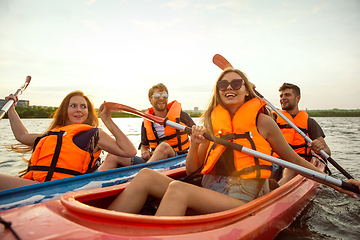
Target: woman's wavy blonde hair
{"points": [[205, 118]]}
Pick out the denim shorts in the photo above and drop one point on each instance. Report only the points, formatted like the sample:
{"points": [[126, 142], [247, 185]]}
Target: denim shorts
{"points": [[244, 190]]}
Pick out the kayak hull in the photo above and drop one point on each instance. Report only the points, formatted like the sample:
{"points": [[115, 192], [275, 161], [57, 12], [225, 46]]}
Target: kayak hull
{"points": [[53, 190], [78, 216]]}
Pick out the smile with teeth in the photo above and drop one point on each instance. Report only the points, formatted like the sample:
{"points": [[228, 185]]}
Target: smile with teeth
{"points": [[230, 95]]}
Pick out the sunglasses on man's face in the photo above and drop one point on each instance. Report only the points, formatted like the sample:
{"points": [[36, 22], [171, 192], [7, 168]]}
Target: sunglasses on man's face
{"points": [[235, 84], [157, 95]]}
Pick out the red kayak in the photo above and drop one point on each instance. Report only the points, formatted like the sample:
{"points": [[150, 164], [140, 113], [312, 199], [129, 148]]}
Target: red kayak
{"points": [[82, 215]]}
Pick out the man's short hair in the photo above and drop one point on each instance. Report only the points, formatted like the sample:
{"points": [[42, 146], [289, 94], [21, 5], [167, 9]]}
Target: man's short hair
{"points": [[295, 88], [160, 86]]}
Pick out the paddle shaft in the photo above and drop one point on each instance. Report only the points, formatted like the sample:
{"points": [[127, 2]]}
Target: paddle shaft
{"points": [[6, 107], [322, 152], [299, 169], [222, 63], [304, 171]]}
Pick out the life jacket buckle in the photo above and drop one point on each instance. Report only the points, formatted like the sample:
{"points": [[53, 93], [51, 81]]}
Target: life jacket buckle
{"points": [[231, 136], [248, 170]]}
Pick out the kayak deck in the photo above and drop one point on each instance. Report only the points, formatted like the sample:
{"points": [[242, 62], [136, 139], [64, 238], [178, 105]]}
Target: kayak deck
{"points": [[82, 215]]}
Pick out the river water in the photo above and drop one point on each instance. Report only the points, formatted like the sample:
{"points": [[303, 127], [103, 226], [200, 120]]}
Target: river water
{"points": [[330, 215]]}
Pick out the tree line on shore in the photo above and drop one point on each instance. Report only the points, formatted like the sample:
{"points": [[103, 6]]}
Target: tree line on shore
{"points": [[47, 112]]}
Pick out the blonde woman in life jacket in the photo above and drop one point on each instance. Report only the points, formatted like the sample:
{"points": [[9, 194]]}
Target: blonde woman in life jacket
{"points": [[70, 146], [230, 179]]}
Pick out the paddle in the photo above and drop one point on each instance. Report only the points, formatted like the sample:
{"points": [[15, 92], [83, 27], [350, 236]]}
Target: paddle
{"points": [[6, 107], [116, 107], [222, 63]]}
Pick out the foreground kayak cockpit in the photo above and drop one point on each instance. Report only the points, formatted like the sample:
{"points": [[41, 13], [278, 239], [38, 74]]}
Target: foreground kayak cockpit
{"points": [[83, 214]]}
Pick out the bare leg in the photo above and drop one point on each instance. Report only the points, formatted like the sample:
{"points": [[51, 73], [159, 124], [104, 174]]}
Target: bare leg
{"points": [[112, 161], [163, 151], [288, 174], [147, 182], [180, 196], [8, 182]]}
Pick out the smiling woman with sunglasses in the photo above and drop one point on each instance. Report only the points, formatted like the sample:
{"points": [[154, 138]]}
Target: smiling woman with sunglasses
{"points": [[230, 178]]}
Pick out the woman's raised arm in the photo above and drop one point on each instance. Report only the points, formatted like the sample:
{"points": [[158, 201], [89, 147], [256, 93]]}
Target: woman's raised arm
{"points": [[197, 150], [121, 145], [20, 132]]}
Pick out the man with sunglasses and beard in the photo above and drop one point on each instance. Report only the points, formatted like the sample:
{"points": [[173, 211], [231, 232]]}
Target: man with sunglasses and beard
{"points": [[157, 142], [289, 101]]}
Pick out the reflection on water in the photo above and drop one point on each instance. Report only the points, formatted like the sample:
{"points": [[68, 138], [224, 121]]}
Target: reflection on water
{"points": [[330, 215]]}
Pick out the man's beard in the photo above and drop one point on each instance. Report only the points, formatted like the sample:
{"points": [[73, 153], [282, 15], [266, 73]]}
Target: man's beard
{"points": [[160, 108], [288, 106]]}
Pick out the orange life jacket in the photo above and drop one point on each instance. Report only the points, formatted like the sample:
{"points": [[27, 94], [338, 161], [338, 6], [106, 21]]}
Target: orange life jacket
{"points": [[56, 156], [242, 130], [295, 140], [175, 138]]}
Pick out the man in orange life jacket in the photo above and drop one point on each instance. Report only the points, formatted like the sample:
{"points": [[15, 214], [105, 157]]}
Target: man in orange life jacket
{"points": [[289, 100], [157, 142]]}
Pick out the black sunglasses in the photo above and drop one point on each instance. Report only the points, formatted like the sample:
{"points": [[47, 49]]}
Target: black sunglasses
{"points": [[235, 84]]}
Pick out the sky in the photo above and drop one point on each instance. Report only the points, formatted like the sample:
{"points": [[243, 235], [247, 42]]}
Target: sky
{"points": [[115, 50]]}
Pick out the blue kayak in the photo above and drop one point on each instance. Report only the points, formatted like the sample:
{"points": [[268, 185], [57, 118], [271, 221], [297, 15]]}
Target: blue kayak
{"points": [[53, 190]]}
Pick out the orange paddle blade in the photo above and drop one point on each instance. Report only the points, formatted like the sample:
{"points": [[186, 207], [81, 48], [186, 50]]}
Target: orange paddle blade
{"points": [[117, 107], [221, 62]]}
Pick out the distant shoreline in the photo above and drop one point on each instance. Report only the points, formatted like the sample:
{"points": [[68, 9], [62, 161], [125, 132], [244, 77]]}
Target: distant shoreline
{"points": [[334, 113], [47, 112]]}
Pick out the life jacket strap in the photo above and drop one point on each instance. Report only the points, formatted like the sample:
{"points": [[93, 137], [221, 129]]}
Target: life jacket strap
{"points": [[257, 168], [287, 126], [307, 155], [298, 146], [207, 157], [56, 154], [96, 165], [246, 135], [176, 135], [57, 169]]}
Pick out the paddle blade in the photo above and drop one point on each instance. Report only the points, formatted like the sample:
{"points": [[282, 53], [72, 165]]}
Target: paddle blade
{"points": [[27, 82], [221, 62], [117, 107]]}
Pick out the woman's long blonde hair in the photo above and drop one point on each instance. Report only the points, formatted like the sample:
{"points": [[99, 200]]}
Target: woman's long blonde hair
{"points": [[60, 118], [205, 118]]}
